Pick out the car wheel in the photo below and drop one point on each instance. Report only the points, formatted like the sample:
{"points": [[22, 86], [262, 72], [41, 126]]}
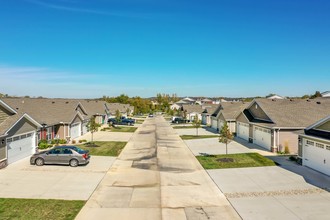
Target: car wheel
{"points": [[129, 124], [73, 163], [39, 162]]}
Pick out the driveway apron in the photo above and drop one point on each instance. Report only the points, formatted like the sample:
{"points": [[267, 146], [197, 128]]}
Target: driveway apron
{"points": [[157, 177]]}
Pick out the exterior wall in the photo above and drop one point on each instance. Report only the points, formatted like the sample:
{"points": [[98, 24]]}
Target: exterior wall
{"points": [[23, 126], [3, 151], [324, 127], [232, 126], [242, 118], [76, 120], [59, 131], [257, 112], [289, 138], [98, 119]]}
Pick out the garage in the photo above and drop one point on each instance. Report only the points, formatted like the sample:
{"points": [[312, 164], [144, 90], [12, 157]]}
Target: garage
{"points": [[214, 123], [84, 127], [263, 137], [243, 130], [75, 130], [20, 146], [317, 156]]}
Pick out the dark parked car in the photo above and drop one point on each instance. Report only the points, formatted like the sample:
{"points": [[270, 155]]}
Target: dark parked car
{"points": [[123, 121], [70, 155], [178, 120]]}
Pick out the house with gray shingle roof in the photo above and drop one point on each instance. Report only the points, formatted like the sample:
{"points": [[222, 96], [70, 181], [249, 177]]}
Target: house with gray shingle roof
{"points": [[17, 134], [206, 114], [325, 94], [60, 118], [314, 146], [192, 111], [98, 109], [228, 113], [125, 109], [273, 123]]}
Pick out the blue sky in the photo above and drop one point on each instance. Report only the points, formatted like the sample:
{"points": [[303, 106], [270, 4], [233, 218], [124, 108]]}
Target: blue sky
{"points": [[233, 48]]}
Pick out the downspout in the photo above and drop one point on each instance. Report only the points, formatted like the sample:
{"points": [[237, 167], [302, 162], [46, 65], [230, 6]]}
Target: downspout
{"points": [[278, 139]]}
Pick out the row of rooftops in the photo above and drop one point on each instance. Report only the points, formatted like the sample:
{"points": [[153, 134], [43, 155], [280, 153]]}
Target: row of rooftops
{"points": [[285, 113], [55, 111]]}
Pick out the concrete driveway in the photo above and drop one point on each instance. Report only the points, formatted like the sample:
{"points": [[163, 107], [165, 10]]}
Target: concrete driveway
{"points": [[22, 180], [272, 193], [192, 131]]}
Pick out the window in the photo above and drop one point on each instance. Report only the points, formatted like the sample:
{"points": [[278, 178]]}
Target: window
{"points": [[9, 140], [23, 136], [328, 147], [29, 135], [310, 142], [16, 138], [319, 145]]}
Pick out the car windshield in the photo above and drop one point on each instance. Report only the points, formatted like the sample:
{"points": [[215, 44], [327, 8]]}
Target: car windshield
{"points": [[80, 151]]}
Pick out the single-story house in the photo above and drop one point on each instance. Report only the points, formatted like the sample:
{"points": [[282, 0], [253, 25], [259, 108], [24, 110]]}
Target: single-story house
{"points": [[98, 109], [314, 146], [60, 118], [17, 135], [124, 109], [228, 113], [273, 123], [192, 111], [275, 97], [206, 114], [325, 94]]}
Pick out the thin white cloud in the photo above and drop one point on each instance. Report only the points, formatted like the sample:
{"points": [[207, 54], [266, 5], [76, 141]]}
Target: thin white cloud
{"points": [[48, 4]]}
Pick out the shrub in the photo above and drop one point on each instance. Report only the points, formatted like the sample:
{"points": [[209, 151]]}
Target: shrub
{"points": [[286, 148], [82, 141], [73, 141], [62, 141]]}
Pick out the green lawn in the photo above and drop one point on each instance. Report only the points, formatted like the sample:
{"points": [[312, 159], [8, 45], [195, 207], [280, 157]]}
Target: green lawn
{"points": [[190, 137], [119, 129], [139, 121], [183, 126], [105, 148], [239, 160], [39, 209]]}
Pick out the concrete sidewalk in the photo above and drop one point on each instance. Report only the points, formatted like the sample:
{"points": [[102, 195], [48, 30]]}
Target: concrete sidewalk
{"points": [[157, 177]]}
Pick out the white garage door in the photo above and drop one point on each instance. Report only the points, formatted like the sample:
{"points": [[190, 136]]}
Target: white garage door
{"points": [[75, 130], [20, 146], [243, 130], [317, 156], [214, 124], [262, 137], [84, 128]]}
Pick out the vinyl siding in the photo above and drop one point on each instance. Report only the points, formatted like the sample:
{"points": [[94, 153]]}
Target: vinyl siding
{"points": [[288, 137], [22, 126], [257, 112], [324, 127]]}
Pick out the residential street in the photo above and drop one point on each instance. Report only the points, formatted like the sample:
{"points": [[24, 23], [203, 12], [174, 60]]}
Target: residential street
{"points": [[157, 177]]}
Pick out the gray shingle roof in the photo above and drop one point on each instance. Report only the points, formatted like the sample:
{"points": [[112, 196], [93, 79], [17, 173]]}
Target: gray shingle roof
{"points": [[291, 113], [94, 107], [48, 111], [113, 107], [230, 110], [193, 108]]}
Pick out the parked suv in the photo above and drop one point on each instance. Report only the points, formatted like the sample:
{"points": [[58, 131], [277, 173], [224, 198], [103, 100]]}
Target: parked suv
{"points": [[178, 120], [123, 121]]}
